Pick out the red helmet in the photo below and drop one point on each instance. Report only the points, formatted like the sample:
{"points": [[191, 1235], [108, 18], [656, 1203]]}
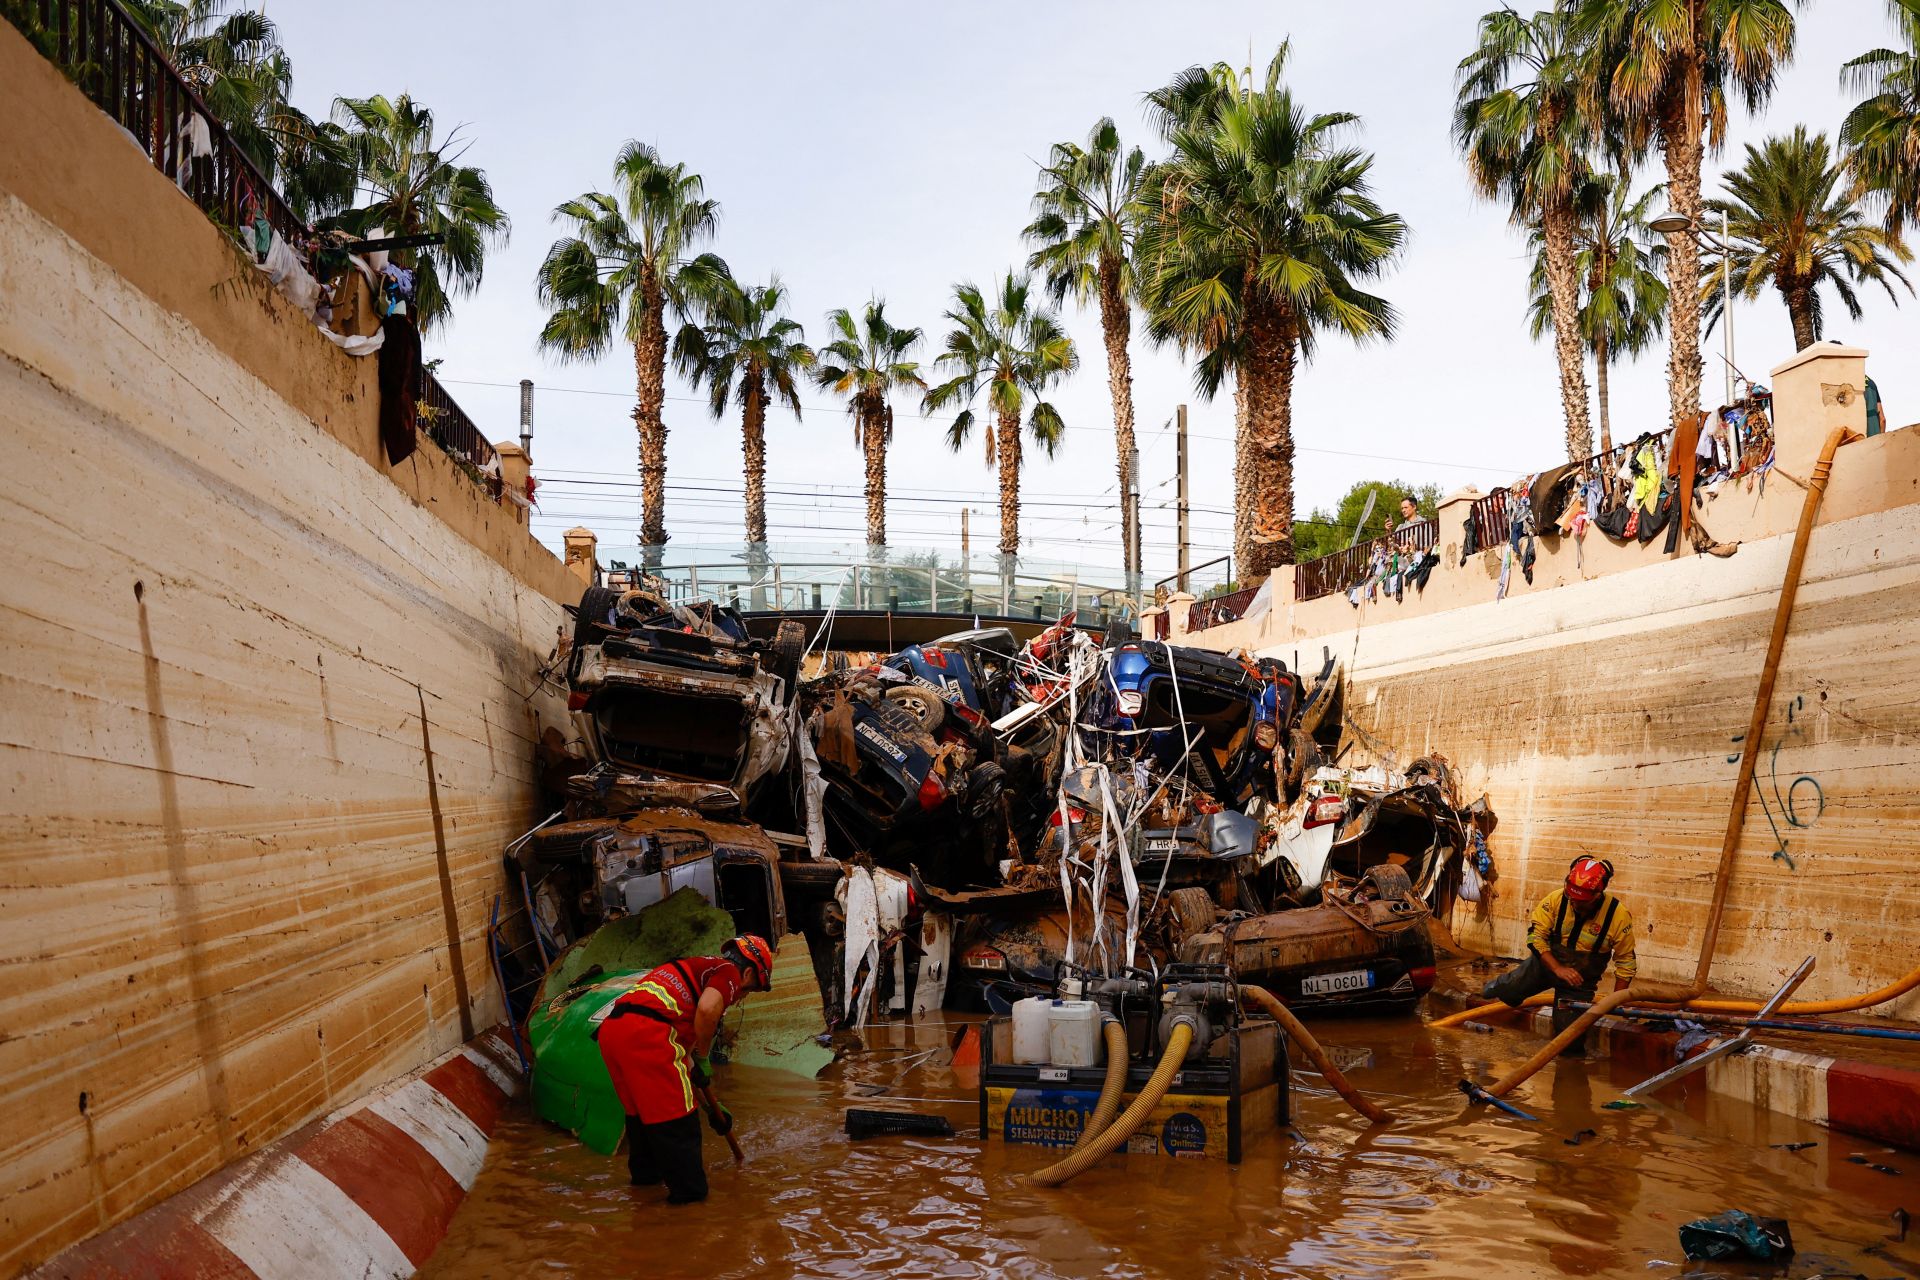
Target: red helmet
{"points": [[1587, 878], [751, 951]]}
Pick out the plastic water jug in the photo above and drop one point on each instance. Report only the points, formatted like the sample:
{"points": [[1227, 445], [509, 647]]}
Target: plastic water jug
{"points": [[1030, 1031], [1073, 1033]]}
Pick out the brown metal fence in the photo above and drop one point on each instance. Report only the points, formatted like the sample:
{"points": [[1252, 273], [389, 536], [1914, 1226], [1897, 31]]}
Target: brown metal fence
{"points": [[117, 64], [1230, 607], [113, 60], [447, 423], [1344, 570]]}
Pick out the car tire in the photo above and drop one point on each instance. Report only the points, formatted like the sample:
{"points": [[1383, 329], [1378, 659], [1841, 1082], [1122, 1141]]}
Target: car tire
{"points": [[789, 645], [984, 786], [924, 705], [594, 605], [1192, 910], [1303, 757], [1389, 881]]}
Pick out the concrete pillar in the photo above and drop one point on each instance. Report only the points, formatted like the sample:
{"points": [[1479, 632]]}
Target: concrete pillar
{"points": [[1823, 387], [514, 466], [1450, 520], [1179, 610], [580, 545], [1150, 621]]}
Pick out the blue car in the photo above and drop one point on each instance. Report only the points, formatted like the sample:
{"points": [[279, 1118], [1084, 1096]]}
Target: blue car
{"points": [[1234, 715]]}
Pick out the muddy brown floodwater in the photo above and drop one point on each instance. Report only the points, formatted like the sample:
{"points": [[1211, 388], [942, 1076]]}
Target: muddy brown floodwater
{"points": [[1443, 1192]]}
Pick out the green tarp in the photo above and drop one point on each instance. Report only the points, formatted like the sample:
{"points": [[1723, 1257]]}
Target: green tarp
{"points": [[570, 1083]]}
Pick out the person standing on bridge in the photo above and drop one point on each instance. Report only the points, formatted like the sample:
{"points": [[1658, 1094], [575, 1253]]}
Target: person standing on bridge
{"points": [[1575, 933], [655, 1041]]}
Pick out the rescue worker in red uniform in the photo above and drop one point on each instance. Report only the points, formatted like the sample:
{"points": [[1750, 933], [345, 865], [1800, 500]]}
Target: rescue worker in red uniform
{"points": [[655, 1041]]}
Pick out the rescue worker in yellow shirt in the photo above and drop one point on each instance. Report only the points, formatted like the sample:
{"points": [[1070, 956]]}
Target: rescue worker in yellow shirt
{"points": [[1575, 933]]}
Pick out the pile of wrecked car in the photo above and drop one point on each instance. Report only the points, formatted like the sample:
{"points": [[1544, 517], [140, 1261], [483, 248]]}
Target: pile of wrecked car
{"points": [[964, 820]]}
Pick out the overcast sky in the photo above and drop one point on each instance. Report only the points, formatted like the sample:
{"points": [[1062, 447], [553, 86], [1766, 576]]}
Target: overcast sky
{"points": [[891, 149]]}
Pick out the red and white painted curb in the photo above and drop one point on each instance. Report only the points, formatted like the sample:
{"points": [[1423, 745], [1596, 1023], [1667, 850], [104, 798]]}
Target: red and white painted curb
{"points": [[1861, 1098], [366, 1192]]}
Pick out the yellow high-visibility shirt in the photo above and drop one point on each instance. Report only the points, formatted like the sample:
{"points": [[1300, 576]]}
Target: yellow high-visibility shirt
{"points": [[1541, 935]]}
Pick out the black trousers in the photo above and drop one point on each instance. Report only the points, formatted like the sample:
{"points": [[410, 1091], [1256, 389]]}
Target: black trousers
{"points": [[1532, 977], [668, 1152]]}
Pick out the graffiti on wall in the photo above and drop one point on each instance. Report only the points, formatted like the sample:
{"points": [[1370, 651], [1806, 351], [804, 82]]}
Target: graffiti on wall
{"points": [[1799, 803]]}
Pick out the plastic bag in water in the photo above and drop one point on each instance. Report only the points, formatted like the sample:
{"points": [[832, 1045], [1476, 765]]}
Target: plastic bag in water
{"points": [[1734, 1234]]}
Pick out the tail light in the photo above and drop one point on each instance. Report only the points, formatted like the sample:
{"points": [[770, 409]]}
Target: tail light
{"points": [[1422, 978], [984, 958], [1073, 815], [1130, 703], [968, 714], [1325, 809], [577, 701], [933, 792], [1266, 735]]}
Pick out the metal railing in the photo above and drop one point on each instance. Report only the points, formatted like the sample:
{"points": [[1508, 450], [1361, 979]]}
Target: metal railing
{"points": [[1344, 570], [758, 579], [1199, 572], [1490, 518], [448, 425], [112, 59], [1228, 607]]}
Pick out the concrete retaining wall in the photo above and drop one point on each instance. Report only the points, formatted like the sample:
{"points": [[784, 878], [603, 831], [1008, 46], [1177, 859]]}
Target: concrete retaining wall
{"points": [[1603, 709], [269, 705], [367, 1192]]}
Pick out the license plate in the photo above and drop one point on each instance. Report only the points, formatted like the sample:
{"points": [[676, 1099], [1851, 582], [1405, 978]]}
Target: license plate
{"points": [[1329, 984], [1164, 844]]}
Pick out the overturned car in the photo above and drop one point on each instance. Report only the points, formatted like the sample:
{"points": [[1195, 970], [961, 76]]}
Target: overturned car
{"points": [[681, 691]]}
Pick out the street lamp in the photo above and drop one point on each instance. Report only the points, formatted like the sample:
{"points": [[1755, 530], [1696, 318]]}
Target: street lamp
{"points": [[1674, 223]]}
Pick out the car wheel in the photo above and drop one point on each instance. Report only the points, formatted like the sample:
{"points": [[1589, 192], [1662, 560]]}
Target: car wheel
{"points": [[1303, 757], [1389, 881], [1192, 910], [595, 604], [923, 705], [789, 645], [984, 786]]}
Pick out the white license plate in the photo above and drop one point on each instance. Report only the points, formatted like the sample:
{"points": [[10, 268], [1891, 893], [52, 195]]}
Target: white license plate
{"points": [[1329, 984], [1164, 844]]}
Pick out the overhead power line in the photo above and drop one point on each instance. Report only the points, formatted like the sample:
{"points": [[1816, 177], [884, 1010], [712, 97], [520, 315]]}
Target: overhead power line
{"points": [[841, 413]]}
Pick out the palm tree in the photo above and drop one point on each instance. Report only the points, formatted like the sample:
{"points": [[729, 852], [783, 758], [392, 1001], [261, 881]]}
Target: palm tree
{"points": [[411, 182], [1014, 350], [234, 61], [1667, 67], [746, 350], [1790, 224], [1254, 235], [865, 362], [1623, 303], [1518, 121], [628, 254], [1882, 133], [1083, 226]]}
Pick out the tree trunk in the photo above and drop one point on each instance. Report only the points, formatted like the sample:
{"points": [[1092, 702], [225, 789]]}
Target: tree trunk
{"points": [[1116, 325], [1682, 145], [873, 439], [1800, 311], [1563, 297], [1009, 451], [1243, 487], [1272, 349], [1600, 357], [753, 443], [650, 371]]}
